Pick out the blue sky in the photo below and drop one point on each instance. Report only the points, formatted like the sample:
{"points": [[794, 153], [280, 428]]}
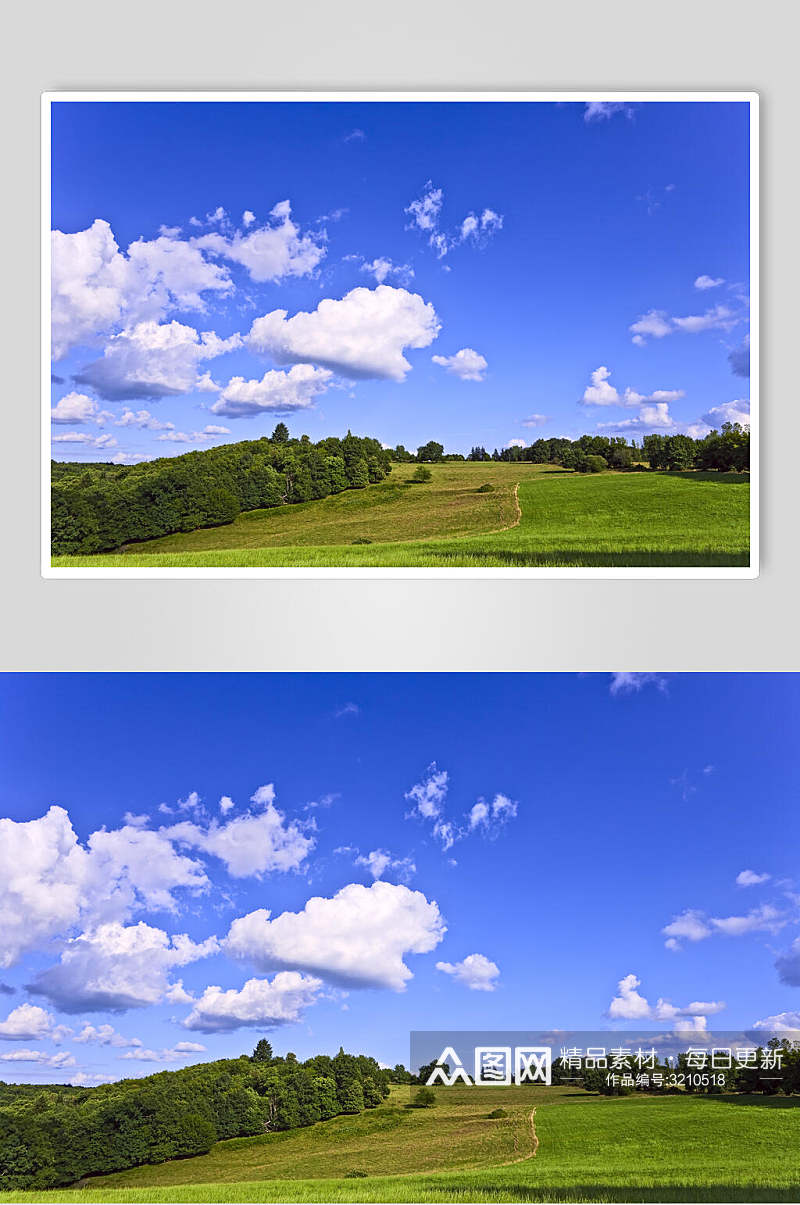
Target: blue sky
{"points": [[545, 242], [586, 851]]}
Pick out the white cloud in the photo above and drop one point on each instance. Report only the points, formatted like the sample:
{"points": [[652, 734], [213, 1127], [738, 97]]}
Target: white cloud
{"points": [[656, 324], [263, 1003], [467, 364], [169, 1055], [271, 252], [489, 816], [357, 938], [362, 335], [476, 971], [62, 1059], [603, 110], [630, 1005], [143, 420], [516, 443], [194, 437], [153, 360], [30, 1023], [600, 393], [728, 412], [382, 268], [83, 1079], [50, 884], [750, 878], [88, 441], [693, 925], [534, 420], [96, 288], [106, 1035], [276, 392], [709, 282], [426, 209], [116, 967], [249, 844], [429, 794], [74, 408], [632, 683], [787, 1024], [379, 861], [248, 217], [652, 417], [226, 804], [425, 213]]}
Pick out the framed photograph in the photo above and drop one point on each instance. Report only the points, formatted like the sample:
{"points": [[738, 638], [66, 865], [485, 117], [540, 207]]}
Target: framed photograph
{"points": [[400, 334]]}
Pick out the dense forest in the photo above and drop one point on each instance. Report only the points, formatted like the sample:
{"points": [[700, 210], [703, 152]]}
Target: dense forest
{"points": [[98, 507], [53, 1135]]}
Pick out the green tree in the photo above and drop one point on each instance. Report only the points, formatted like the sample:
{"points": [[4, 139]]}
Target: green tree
{"points": [[280, 435], [262, 1052], [430, 453]]}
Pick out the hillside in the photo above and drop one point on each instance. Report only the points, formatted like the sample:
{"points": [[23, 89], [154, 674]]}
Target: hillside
{"points": [[566, 518], [592, 1148]]}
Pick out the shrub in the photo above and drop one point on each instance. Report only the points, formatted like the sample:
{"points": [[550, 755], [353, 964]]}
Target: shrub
{"points": [[498, 1113], [420, 475], [596, 464], [486, 488], [424, 1098], [361, 540]]}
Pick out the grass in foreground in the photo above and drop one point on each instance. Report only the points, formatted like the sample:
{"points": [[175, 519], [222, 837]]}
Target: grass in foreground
{"points": [[681, 520], [590, 1149]]}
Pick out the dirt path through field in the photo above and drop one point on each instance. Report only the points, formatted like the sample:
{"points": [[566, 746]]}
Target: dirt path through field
{"points": [[534, 1143]]}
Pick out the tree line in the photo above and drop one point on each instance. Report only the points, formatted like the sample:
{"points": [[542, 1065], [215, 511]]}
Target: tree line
{"points": [[727, 450], [100, 507], [54, 1135]]}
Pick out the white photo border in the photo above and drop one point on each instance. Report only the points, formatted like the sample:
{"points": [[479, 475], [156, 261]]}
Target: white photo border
{"points": [[445, 97]]}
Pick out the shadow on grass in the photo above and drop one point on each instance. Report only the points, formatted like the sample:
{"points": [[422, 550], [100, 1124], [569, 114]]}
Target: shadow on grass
{"points": [[713, 478], [570, 558]]}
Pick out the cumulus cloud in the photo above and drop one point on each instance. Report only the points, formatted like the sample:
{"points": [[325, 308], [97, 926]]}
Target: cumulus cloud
{"points": [[750, 878], [786, 1024], [250, 844], [88, 441], [490, 816], [357, 938], [623, 683], [271, 252], [50, 883], [153, 360], [74, 408], [30, 1023], [649, 418], [62, 1059], [382, 268], [209, 432], [362, 335], [600, 392], [276, 392], [116, 967], [709, 282], [105, 1035], [655, 324], [516, 443], [476, 971], [466, 364], [428, 795], [168, 1055], [379, 861], [97, 289], [534, 420], [475, 228], [630, 1005], [263, 1003], [143, 420], [694, 925]]}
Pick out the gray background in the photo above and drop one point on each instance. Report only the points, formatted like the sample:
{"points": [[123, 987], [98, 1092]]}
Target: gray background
{"points": [[400, 624]]}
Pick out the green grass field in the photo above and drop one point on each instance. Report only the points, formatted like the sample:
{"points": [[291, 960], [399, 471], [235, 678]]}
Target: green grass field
{"points": [[584, 1148], [681, 520]]}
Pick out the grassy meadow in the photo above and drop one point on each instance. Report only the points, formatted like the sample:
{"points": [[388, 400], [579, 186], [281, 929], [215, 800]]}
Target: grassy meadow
{"points": [[534, 515], [554, 1144]]}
